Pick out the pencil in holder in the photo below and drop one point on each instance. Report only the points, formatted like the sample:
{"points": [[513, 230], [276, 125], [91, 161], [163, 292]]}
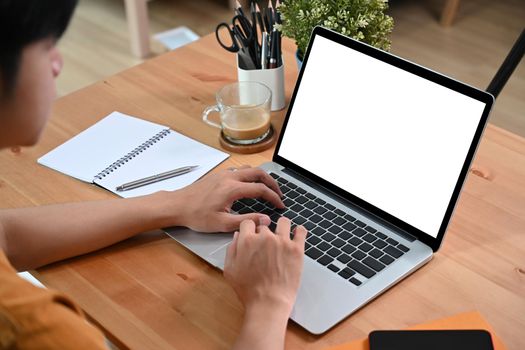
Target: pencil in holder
{"points": [[273, 78]]}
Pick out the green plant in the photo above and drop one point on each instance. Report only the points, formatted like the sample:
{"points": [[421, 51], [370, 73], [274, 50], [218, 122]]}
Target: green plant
{"points": [[363, 20]]}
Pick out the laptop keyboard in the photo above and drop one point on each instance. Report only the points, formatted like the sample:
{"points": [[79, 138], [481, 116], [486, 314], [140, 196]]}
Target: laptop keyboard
{"points": [[354, 250]]}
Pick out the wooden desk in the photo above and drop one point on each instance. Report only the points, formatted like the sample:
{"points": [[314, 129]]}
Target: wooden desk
{"points": [[150, 293]]}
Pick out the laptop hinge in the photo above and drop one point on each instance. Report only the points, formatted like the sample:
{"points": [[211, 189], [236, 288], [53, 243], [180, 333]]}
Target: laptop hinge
{"points": [[350, 204]]}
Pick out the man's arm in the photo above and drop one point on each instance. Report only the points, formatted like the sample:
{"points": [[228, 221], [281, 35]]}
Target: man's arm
{"points": [[39, 235], [32, 237]]}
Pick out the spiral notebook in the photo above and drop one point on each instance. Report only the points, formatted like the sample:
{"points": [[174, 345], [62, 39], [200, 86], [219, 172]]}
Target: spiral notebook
{"points": [[120, 149]]}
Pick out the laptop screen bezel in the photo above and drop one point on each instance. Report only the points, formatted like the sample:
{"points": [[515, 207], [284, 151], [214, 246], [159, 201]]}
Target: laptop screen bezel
{"points": [[422, 72]]}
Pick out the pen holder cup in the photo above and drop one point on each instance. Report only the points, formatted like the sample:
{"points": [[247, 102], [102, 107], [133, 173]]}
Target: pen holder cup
{"points": [[273, 78]]}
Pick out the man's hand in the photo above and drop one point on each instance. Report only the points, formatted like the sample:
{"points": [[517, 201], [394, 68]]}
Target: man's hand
{"points": [[205, 205], [264, 267], [265, 270]]}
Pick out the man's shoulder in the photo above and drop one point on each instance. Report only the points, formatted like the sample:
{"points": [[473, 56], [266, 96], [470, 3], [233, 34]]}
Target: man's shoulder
{"points": [[37, 317]]}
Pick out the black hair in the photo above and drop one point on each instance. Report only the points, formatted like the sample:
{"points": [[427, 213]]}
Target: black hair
{"points": [[23, 22]]}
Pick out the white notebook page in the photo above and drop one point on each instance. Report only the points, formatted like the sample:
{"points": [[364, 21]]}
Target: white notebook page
{"points": [[171, 152], [95, 148]]}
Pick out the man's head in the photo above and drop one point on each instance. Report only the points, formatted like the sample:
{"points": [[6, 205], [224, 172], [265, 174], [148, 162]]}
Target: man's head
{"points": [[29, 62]]}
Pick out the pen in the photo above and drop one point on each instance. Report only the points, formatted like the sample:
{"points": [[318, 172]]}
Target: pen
{"points": [[266, 20], [264, 50], [260, 21], [278, 21], [273, 50], [271, 16], [255, 38], [155, 178], [238, 8], [245, 26]]}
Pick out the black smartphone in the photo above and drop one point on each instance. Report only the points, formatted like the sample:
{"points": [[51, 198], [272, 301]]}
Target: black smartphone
{"points": [[431, 340]]}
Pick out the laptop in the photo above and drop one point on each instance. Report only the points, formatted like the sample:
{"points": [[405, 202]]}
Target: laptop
{"points": [[371, 159]]}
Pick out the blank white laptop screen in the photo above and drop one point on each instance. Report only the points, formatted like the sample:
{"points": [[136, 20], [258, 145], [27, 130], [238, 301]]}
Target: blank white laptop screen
{"points": [[389, 137]]}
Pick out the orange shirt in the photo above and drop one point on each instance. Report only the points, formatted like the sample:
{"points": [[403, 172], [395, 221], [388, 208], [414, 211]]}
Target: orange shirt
{"points": [[37, 318]]}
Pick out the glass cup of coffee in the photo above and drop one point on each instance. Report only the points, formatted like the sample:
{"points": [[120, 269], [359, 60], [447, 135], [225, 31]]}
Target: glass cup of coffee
{"points": [[244, 109]]}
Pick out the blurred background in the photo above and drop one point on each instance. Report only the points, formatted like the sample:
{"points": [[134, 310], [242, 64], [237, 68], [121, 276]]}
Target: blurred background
{"points": [[465, 39]]}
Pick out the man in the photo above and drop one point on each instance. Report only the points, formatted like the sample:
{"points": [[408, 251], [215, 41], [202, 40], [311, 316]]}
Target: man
{"points": [[31, 317]]}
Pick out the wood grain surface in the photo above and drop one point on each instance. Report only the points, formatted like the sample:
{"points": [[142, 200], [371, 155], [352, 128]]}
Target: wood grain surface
{"points": [[151, 293]]}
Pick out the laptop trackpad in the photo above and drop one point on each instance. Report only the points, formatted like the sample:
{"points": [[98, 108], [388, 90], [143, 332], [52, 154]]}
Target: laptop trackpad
{"points": [[209, 246], [217, 257]]}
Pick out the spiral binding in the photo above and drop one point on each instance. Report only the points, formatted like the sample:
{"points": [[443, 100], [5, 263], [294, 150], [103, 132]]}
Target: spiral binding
{"points": [[132, 154]]}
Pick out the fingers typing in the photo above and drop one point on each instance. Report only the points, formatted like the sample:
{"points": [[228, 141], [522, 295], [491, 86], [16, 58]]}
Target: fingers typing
{"points": [[283, 227], [257, 190], [258, 175]]}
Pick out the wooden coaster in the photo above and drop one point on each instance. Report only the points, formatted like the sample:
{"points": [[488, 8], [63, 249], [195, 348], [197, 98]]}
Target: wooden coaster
{"points": [[247, 149]]}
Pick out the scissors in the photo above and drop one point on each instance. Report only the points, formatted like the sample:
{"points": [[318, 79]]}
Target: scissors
{"points": [[242, 40]]}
